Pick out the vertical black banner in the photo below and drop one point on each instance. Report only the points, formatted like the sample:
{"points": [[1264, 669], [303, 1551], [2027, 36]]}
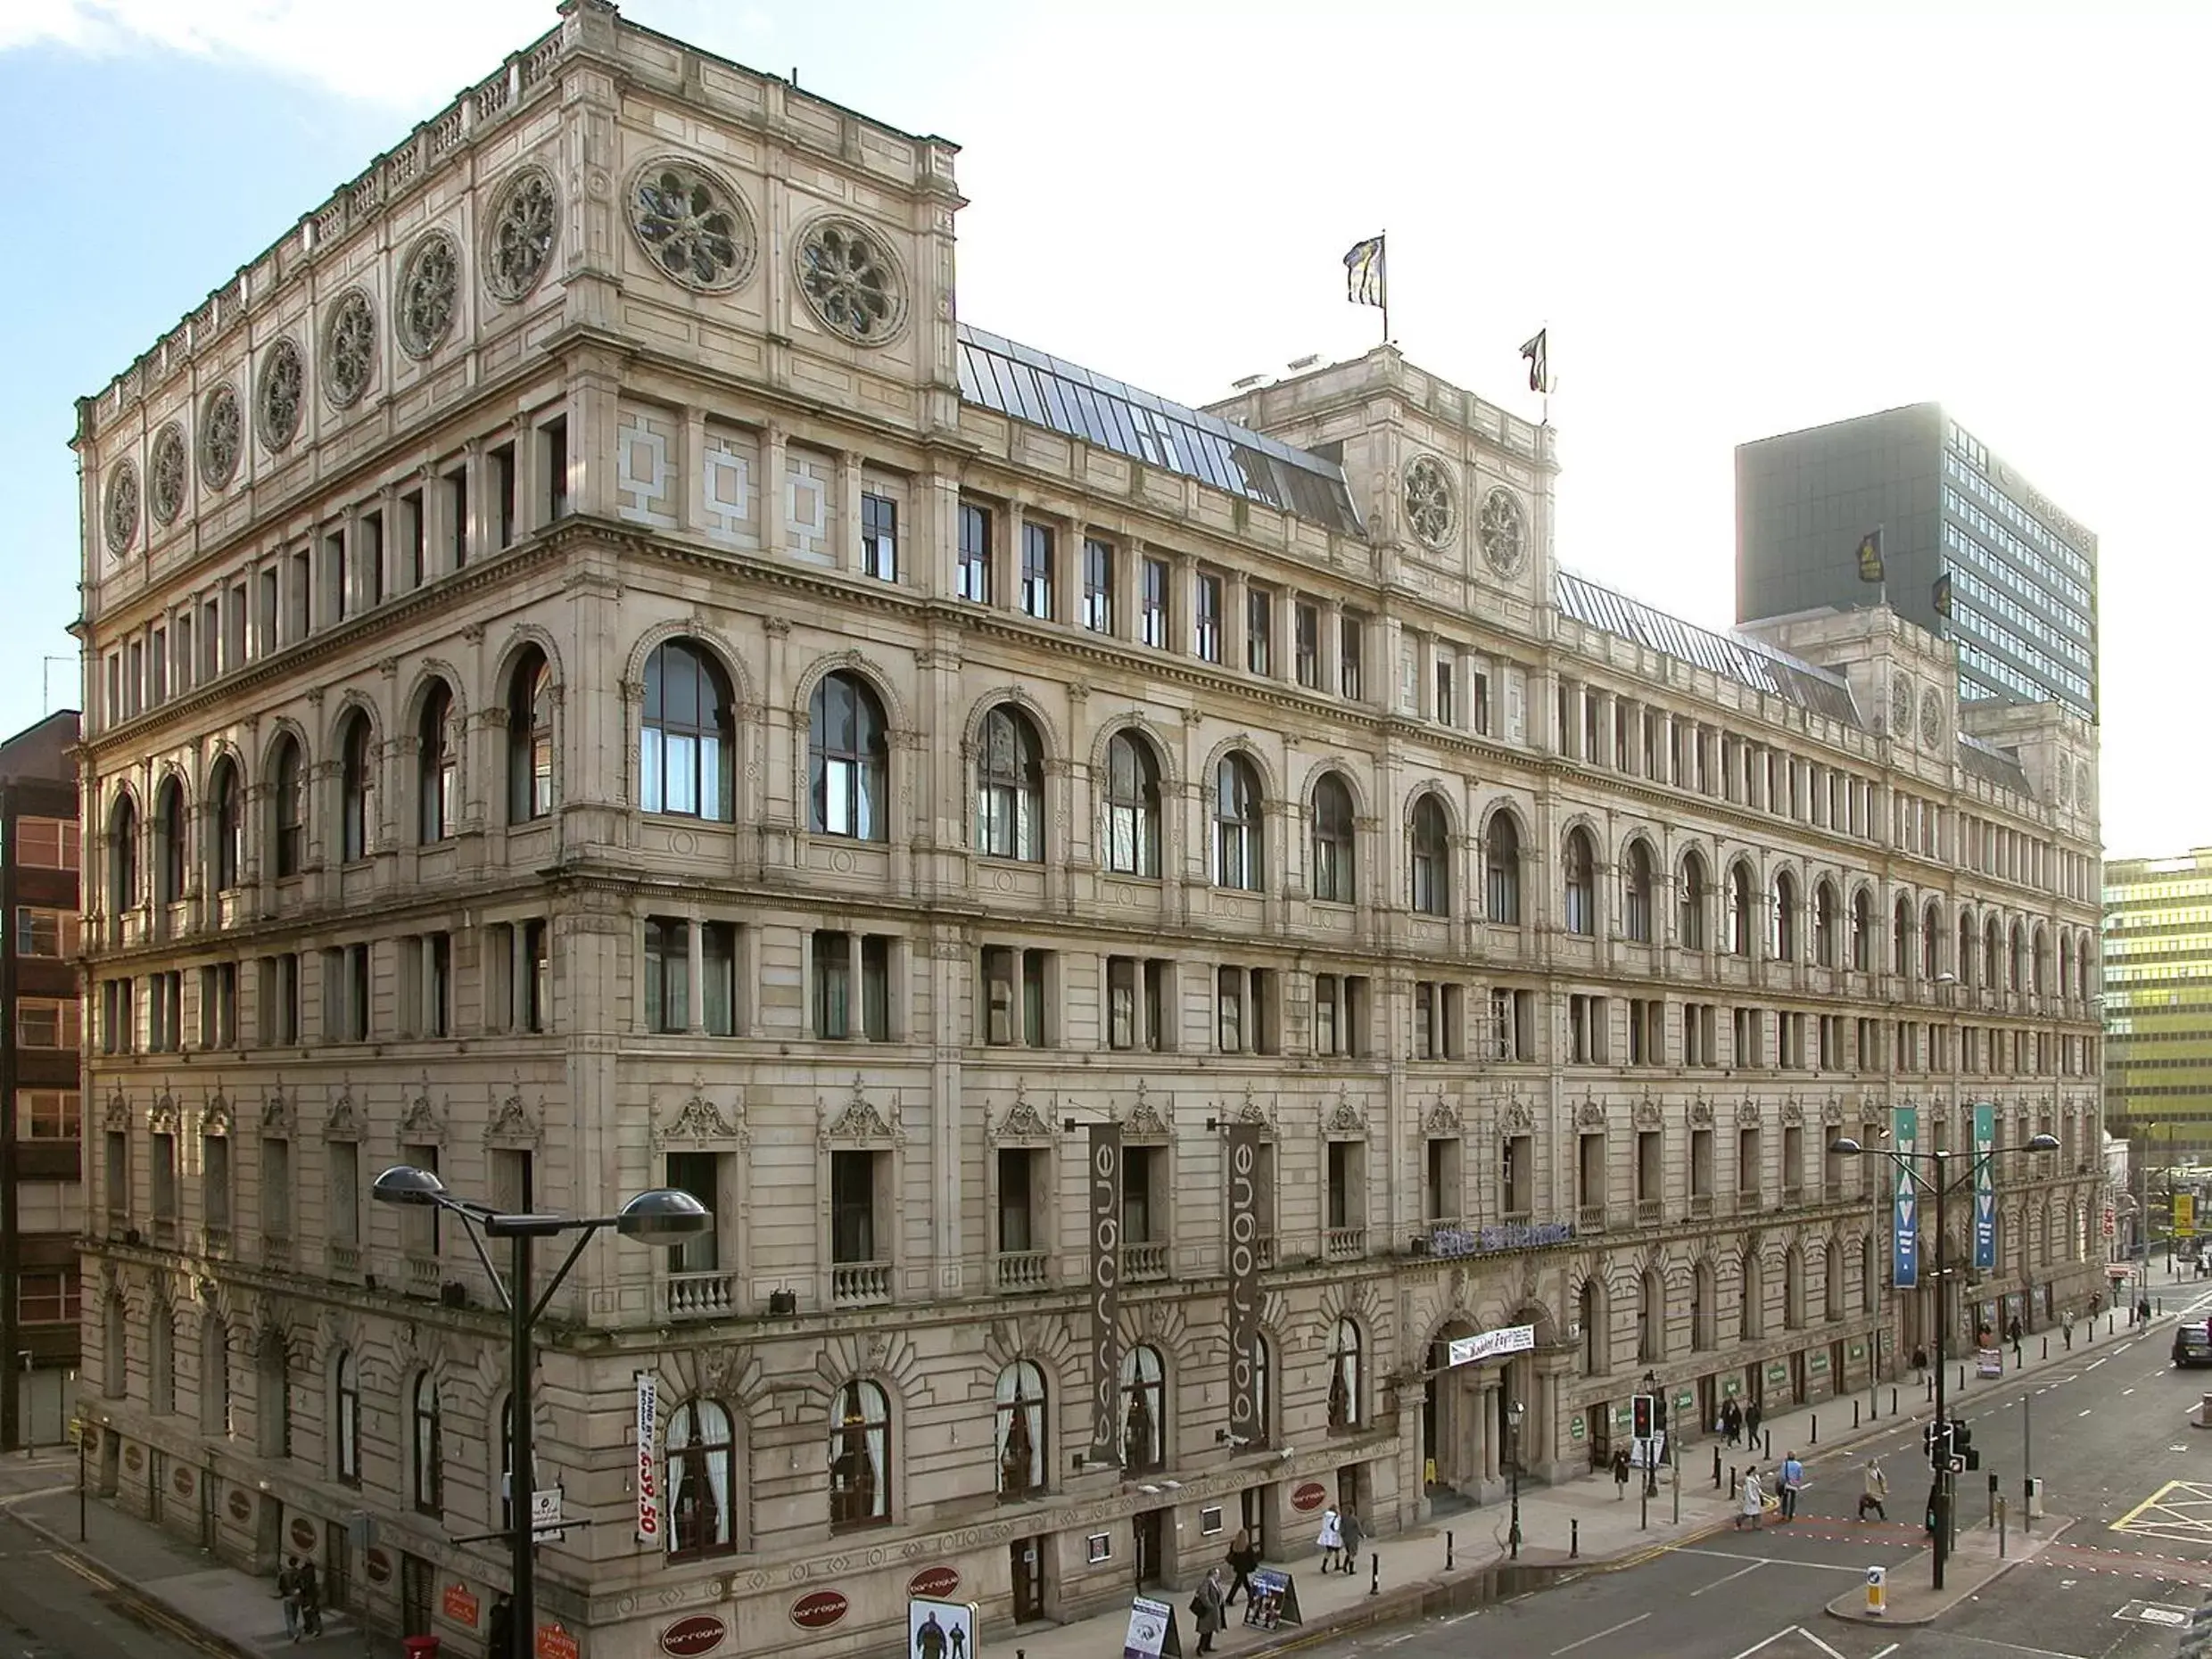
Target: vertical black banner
{"points": [[1104, 1175], [1245, 1423]]}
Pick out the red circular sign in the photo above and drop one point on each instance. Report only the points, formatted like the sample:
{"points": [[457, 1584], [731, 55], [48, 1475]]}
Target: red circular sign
{"points": [[182, 1482], [133, 1458], [818, 1610], [934, 1583], [379, 1566], [1312, 1495], [701, 1633], [241, 1507], [302, 1532]]}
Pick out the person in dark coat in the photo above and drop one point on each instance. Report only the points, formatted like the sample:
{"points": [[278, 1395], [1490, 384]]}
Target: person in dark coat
{"points": [[1207, 1606], [1620, 1473], [310, 1598], [499, 1633], [1243, 1557]]}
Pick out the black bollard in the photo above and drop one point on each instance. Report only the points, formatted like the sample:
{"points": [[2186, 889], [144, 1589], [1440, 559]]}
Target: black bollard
{"points": [[1892, 1402], [2046, 1354], [1931, 1385], [1962, 1379], [1816, 1428], [1642, 1500], [1766, 1446], [1374, 1573], [1716, 1468], [1448, 1549], [1854, 1414], [1574, 1538]]}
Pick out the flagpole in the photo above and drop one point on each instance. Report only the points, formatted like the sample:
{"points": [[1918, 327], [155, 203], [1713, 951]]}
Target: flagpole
{"points": [[1384, 239], [1881, 588], [1544, 334]]}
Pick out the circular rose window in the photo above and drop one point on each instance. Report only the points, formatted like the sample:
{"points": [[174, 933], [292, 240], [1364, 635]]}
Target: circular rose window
{"points": [[120, 514], [165, 475], [1504, 532], [694, 226], [281, 393], [851, 281], [429, 287], [349, 350], [221, 427], [526, 218], [1429, 510]]}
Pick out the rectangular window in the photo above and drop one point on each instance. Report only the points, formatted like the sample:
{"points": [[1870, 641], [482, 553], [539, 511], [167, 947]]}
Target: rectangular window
{"points": [[437, 1013], [235, 626], [1328, 1014], [162, 1179], [878, 537], [1229, 1011], [1159, 1006], [218, 1005], [1144, 1194], [833, 985], [215, 1182], [1098, 585], [1650, 1169], [115, 1178], [456, 549], [118, 1021], [1020, 1186], [553, 467], [513, 1180], [44, 931], [1346, 1199], [46, 843], [875, 987], [1512, 1024], [165, 1003], [337, 577], [301, 581], [972, 576], [1152, 604], [414, 544], [52, 1021], [1586, 1030], [1122, 974], [1206, 625], [852, 1207], [1427, 1023], [279, 999], [1259, 631], [668, 974], [47, 1115], [699, 1174], [343, 1159], [1646, 1034], [1305, 633], [1750, 1032], [1037, 571], [1441, 1187], [1447, 678], [46, 1297], [502, 464], [1516, 1175], [1016, 996], [1350, 632], [369, 559]]}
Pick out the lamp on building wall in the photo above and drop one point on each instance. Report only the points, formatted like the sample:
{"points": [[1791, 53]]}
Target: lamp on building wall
{"points": [[659, 1217]]}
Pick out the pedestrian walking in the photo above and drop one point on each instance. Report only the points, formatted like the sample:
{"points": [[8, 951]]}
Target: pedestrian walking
{"points": [[1242, 1558], [2143, 1311], [310, 1599], [288, 1592], [1207, 1606], [1919, 1363], [1752, 1413], [1751, 1502], [1353, 1531], [1332, 1538], [1876, 1491], [2013, 1336], [2069, 1330], [1732, 1422], [500, 1634], [1793, 1482]]}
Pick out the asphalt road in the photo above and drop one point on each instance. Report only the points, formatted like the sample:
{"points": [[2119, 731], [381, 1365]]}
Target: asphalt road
{"points": [[2108, 1436], [49, 1609]]}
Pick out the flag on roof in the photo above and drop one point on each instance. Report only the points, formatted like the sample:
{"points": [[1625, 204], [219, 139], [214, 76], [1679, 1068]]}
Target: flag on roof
{"points": [[1871, 557], [1364, 280], [1539, 353]]}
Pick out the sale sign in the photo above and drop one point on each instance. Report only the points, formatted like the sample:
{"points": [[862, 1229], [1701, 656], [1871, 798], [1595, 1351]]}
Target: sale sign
{"points": [[648, 1466]]}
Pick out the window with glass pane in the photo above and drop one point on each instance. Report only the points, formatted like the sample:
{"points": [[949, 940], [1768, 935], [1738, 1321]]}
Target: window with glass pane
{"points": [[1010, 787], [686, 734], [852, 1207], [860, 1457], [1637, 893], [1501, 857], [1122, 986], [230, 826], [1690, 925], [437, 766], [1152, 604], [46, 843], [1238, 845], [1206, 637], [846, 754], [1021, 1429], [347, 1373], [972, 575], [1037, 571], [875, 987], [1429, 850], [1132, 807], [428, 1447], [1098, 585], [357, 787], [286, 807], [1742, 913], [170, 844], [1305, 633], [701, 1483], [530, 738], [47, 1115], [698, 1173], [1447, 688], [1580, 884], [123, 855], [718, 969], [41, 930], [1334, 842], [1143, 1433], [1229, 1010], [878, 537], [833, 985], [667, 974], [1348, 664], [1259, 631]]}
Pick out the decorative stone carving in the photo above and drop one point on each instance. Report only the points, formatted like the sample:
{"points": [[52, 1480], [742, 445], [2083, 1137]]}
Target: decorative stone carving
{"points": [[1901, 708], [165, 474], [1515, 1118], [1344, 1117], [512, 1123], [277, 1115], [1931, 718], [1145, 1118], [1701, 1112], [699, 1120], [421, 1123], [1442, 1118], [1022, 1121], [1504, 531], [280, 394], [215, 1116], [692, 224], [1792, 1111], [1430, 513], [1251, 1111], [860, 1120], [1589, 1114], [344, 1121], [1647, 1114], [525, 224], [161, 1116], [118, 1111], [430, 288], [119, 515], [1748, 1112], [349, 349], [222, 429], [851, 280], [1831, 1112]]}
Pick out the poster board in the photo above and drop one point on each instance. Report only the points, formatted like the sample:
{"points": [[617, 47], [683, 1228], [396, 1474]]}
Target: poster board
{"points": [[1152, 1633], [1989, 1362], [940, 1630], [1272, 1602]]}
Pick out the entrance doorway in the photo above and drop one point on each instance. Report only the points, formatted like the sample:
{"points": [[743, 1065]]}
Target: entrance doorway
{"points": [[157, 1484], [1151, 1544], [1027, 1557], [1451, 1439], [269, 1535], [416, 1579], [337, 1566], [1254, 1504]]}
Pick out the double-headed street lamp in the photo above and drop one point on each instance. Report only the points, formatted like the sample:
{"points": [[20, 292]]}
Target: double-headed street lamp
{"points": [[1942, 1182], [657, 1217]]}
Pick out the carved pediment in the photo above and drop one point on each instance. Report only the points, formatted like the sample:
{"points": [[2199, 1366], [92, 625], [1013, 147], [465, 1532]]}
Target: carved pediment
{"points": [[278, 1117], [1515, 1118], [1252, 1111], [422, 1123], [1023, 1121], [1344, 1117], [699, 1120], [511, 1123], [1748, 1112], [1792, 1111], [861, 1119], [119, 1111], [1442, 1118], [1832, 1112], [1701, 1112], [161, 1116], [344, 1121], [215, 1116], [1145, 1118], [1648, 1115], [1589, 1114]]}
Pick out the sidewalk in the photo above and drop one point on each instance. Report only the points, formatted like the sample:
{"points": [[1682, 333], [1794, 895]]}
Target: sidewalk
{"points": [[1460, 1561]]}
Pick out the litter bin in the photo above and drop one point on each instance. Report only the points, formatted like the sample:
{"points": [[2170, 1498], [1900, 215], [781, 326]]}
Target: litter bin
{"points": [[419, 1646], [2035, 1498], [1878, 1590]]}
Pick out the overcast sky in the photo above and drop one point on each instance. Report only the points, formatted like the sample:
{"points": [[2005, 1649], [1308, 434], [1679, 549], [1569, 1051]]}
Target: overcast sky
{"points": [[1735, 220]]}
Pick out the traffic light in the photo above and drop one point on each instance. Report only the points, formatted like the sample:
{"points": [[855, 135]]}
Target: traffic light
{"points": [[1935, 1441], [1962, 1444], [1644, 1418]]}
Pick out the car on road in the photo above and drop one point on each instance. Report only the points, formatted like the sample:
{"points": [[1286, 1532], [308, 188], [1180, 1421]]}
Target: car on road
{"points": [[2192, 1345]]}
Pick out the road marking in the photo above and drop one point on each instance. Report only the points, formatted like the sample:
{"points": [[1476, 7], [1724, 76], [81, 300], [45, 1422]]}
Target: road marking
{"points": [[1461, 1618], [1774, 1561], [1770, 1642], [1393, 1641], [1817, 1642], [2095, 1362], [83, 1571], [1615, 1630], [2010, 1647], [1886, 1652], [2126, 1393], [1738, 1573]]}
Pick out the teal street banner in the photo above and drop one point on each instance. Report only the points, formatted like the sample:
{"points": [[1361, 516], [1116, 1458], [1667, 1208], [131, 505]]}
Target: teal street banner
{"points": [[1905, 1243], [1984, 1187]]}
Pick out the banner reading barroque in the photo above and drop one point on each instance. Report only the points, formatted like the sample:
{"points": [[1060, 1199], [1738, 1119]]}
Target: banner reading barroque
{"points": [[1104, 1209], [1245, 1404]]}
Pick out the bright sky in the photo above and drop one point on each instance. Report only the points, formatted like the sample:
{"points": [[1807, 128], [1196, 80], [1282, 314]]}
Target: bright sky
{"points": [[1736, 220]]}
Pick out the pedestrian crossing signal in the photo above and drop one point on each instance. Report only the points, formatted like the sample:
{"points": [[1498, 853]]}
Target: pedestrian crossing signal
{"points": [[1643, 1417]]}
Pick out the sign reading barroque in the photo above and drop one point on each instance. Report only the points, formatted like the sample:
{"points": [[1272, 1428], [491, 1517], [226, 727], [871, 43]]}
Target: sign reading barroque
{"points": [[1105, 1214]]}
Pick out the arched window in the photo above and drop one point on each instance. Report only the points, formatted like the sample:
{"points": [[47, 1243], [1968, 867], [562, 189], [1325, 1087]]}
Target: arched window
{"points": [[123, 855], [1862, 931], [1429, 857], [1832, 1281], [1581, 884], [860, 1456], [1792, 1288], [1239, 843], [169, 837], [686, 732], [1501, 870], [1636, 893], [1020, 1430], [287, 818], [1901, 925], [701, 1455], [1965, 969], [1335, 857], [115, 1352], [1824, 924], [161, 1361], [1143, 1429], [1931, 942], [1742, 908], [2066, 964], [356, 788], [1994, 955], [1132, 807], [227, 803], [1782, 920], [1749, 1324], [428, 1447], [848, 760], [1346, 1376], [530, 738], [1651, 1319], [2081, 959], [1702, 1297], [214, 1377], [346, 1428], [437, 767], [2041, 962], [2019, 957], [1689, 922], [272, 1398], [1591, 1310], [1009, 787]]}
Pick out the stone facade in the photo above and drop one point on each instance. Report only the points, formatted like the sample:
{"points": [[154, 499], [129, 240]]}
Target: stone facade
{"points": [[612, 697]]}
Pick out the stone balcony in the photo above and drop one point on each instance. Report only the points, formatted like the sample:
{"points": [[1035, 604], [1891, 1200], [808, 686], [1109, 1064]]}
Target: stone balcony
{"points": [[1589, 1218], [1651, 1212], [1143, 1262], [1344, 1243], [1022, 1270], [860, 1283], [276, 1252], [1750, 1201], [344, 1260], [418, 1276], [712, 1294]]}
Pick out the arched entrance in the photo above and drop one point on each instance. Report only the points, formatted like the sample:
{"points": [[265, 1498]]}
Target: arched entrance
{"points": [[1452, 1429]]}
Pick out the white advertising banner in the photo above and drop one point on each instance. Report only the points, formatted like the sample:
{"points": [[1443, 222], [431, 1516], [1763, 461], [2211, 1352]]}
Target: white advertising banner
{"points": [[1515, 1339], [648, 1465]]}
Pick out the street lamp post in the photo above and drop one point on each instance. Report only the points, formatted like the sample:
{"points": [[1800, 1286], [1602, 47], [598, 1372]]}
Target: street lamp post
{"points": [[1942, 1182], [1514, 1414], [653, 1218]]}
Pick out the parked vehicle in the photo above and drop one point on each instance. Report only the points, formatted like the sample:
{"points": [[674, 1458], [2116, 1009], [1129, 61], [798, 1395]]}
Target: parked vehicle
{"points": [[2192, 1345]]}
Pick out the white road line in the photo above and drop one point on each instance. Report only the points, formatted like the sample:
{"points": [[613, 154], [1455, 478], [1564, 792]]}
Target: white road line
{"points": [[2010, 1647], [1461, 1618], [1886, 1652], [1817, 1642], [1393, 1641], [2095, 1362], [2124, 1392], [2085, 1413], [1763, 1561], [1615, 1630], [1738, 1573], [1770, 1642]]}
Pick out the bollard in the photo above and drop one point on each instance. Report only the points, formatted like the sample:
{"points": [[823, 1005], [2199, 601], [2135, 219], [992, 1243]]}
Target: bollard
{"points": [[1877, 1583], [1962, 1379], [1766, 1447], [2001, 1529], [1716, 1468], [1642, 1500], [1854, 1414], [1448, 1549], [1736, 1479], [1892, 1402], [2046, 1354], [1375, 1570], [1993, 1499], [1574, 1539], [1816, 1428], [1931, 1385]]}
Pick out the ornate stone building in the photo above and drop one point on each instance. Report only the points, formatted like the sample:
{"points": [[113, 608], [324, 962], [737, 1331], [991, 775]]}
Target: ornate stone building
{"points": [[602, 678]]}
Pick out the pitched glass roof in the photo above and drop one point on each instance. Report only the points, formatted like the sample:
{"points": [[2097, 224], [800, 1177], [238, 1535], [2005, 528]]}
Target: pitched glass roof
{"points": [[1761, 668], [1031, 386]]}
